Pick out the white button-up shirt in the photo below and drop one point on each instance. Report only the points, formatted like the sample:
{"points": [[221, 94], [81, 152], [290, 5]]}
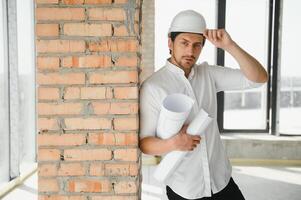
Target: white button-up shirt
{"points": [[207, 167]]}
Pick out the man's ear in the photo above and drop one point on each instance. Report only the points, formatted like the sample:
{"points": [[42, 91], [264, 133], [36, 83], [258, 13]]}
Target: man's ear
{"points": [[170, 43], [204, 41]]}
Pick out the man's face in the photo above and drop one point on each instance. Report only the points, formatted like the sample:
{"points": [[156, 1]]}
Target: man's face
{"points": [[186, 49]]}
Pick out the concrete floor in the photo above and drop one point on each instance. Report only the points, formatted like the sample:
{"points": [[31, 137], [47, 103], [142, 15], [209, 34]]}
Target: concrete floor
{"points": [[264, 183], [27, 191], [256, 183]]}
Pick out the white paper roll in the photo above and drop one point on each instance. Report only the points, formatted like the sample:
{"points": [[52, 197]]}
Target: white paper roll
{"points": [[172, 160], [174, 112], [199, 123]]}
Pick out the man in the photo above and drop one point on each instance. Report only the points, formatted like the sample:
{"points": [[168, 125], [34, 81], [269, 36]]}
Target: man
{"points": [[205, 172]]}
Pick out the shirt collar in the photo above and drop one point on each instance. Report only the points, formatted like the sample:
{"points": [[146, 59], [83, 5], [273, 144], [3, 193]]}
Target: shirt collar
{"points": [[178, 70]]}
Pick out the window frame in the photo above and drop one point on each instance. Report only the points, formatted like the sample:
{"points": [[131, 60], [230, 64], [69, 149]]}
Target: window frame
{"points": [[13, 88], [5, 171], [272, 108], [13, 167]]}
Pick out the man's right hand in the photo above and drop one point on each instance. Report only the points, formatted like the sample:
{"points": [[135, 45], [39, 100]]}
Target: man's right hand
{"points": [[185, 142]]}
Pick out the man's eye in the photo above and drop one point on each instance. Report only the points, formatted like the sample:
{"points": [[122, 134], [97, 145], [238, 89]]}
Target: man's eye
{"points": [[184, 43], [197, 45]]}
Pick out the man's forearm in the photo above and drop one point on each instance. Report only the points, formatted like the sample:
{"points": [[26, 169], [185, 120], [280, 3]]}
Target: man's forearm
{"points": [[156, 146], [250, 67]]}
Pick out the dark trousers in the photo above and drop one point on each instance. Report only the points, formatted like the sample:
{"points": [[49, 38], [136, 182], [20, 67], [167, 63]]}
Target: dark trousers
{"points": [[230, 192]]}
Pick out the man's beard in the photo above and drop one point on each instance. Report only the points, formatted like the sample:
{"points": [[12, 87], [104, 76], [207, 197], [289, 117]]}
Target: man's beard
{"points": [[180, 62]]}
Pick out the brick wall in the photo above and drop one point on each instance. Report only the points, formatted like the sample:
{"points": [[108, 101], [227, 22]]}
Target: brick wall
{"points": [[147, 40], [88, 54]]}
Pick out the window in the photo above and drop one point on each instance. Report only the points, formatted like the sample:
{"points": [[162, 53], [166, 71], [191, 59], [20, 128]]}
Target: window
{"points": [[254, 25], [4, 98], [290, 85], [17, 89], [253, 110], [248, 107], [26, 78]]}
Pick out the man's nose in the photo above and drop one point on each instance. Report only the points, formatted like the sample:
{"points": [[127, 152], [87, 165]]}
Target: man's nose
{"points": [[189, 50]]}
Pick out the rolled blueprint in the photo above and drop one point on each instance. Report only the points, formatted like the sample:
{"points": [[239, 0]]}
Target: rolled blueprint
{"points": [[173, 114], [172, 160]]}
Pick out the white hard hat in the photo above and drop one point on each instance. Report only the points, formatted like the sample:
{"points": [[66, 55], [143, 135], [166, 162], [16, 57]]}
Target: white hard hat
{"points": [[188, 21]]}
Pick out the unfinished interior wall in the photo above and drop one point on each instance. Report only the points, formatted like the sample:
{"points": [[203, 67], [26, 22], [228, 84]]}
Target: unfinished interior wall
{"points": [[147, 40], [88, 55]]}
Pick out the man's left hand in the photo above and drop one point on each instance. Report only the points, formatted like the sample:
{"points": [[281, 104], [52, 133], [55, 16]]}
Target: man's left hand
{"points": [[219, 38]]}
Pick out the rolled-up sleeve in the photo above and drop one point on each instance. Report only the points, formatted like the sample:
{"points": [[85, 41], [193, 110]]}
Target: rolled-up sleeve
{"points": [[149, 111], [226, 78]]}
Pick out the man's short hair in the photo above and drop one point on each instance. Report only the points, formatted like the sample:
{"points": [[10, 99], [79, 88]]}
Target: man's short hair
{"points": [[173, 35]]}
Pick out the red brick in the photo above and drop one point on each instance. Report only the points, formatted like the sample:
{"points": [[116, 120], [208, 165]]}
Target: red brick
{"points": [[124, 46], [114, 45], [48, 63], [122, 30], [98, 1], [60, 46], [97, 169], [72, 93], [47, 29], [66, 79], [121, 1], [107, 14], [47, 124], [48, 185], [48, 154], [109, 94], [95, 93], [89, 185], [90, 61], [117, 169], [87, 154], [59, 109], [124, 108], [60, 14], [137, 15], [73, 2], [71, 169], [61, 140], [61, 197], [125, 187], [47, 170], [134, 169], [114, 77], [126, 92], [115, 108], [47, 1], [126, 124], [126, 139], [114, 197], [81, 29], [48, 93], [102, 45], [113, 169], [101, 108], [125, 61], [126, 154], [87, 123], [101, 138]]}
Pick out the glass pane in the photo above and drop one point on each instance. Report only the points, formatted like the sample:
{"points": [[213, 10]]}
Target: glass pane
{"points": [[26, 70], [4, 126], [290, 86], [247, 109], [163, 19]]}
